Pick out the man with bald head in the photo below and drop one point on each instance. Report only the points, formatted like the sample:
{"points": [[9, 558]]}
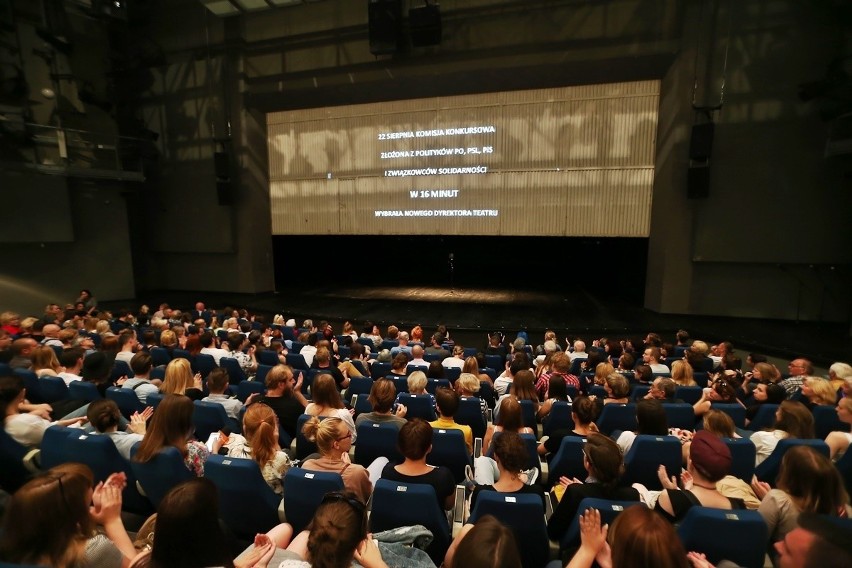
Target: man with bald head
{"points": [[798, 370], [417, 353], [51, 335]]}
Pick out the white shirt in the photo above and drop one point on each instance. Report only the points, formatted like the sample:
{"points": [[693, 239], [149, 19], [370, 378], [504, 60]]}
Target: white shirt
{"points": [[69, 377], [215, 352], [453, 361], [578, 355], [659, 368], [308, 352], [27, 429]]}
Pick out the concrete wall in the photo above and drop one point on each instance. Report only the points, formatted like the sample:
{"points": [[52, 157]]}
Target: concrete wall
{"points": [[771, 239]]}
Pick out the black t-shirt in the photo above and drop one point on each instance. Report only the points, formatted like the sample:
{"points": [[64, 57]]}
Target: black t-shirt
{"points": [[441, 478], [287, 408]]}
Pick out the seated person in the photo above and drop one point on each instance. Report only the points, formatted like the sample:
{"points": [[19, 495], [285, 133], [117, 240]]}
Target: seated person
{"points": [[604, 464], [447, 403], [217, 384], [709, 461], [510, 455], [415, 442], [382, 397], [105, 417], [26, 428]]}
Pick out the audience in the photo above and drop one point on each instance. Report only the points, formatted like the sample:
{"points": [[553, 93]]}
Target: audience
{"points": [[808, 483]]}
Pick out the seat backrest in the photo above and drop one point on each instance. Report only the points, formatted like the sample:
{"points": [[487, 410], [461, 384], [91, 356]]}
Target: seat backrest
{"points": [[617, 417], [743, 454], [452, 374], [768, 469], [208, 417], [379, 369], [411, 368], [388, 344], [236, 374], [638, 392], [268, 357], [645, 457], [680, 415], [18, 465], [154, 399], [126, 399], [396, 504], [470, 413], [83, 390], [246, 388], [449, 449], [53, 389], [303, 493], [240, 481], [733, 409], [178, 353], [567, 461], [433, 384], [359, 385], [418, 405], [559, 418], [609, 510], [121, 369], [826, 421], [764, 417], [495, 362], [54, 446], [304, 447], [376, 439], [100, 454], [159, 474], [690, 395], [524, 514], [160, 356], [361, 403], [528, 414], [203, 363], [739, 536]]}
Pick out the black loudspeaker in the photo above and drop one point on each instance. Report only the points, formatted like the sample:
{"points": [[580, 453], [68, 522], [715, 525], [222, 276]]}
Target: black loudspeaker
{"points": [[224, 192], [224, 189], [385, 19], [424, 23], [222, 163], [698, 182], [701, 141]]}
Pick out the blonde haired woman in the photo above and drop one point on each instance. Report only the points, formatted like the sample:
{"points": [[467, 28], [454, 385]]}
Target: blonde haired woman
{"points": [[259, 442], [817, 391], [334, 440], [45, 363], [180, 380], [602, 371], [682, 374]]}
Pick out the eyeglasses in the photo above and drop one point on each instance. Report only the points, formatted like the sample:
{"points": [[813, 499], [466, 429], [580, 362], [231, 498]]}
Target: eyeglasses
{"points": [[348, 435]]}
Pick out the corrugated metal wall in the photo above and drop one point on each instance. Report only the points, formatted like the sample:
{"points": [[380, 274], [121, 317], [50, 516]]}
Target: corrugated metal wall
{"points": [[574, 161]]}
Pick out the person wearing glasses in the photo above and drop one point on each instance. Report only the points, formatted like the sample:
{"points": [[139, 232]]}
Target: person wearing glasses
{"points": [[798, 370], [62, 519], [334, 440], [720, 391]]}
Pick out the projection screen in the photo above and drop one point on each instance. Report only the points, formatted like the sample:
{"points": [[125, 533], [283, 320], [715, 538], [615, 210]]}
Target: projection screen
{"points": [[571, 161]]}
